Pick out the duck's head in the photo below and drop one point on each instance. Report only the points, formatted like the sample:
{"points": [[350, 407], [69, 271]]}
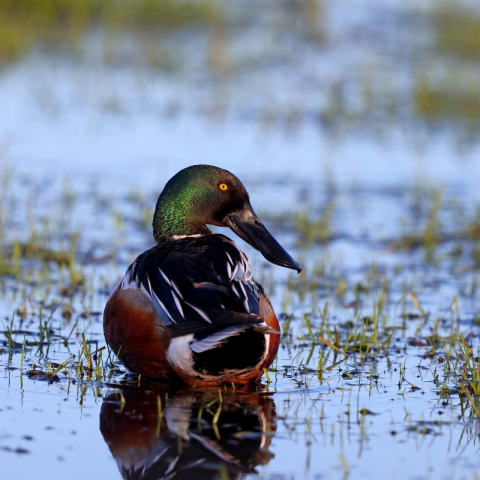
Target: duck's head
{"points": [[201, 195]]}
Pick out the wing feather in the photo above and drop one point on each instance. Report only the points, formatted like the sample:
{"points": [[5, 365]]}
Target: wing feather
{"points": [[199, 284]]}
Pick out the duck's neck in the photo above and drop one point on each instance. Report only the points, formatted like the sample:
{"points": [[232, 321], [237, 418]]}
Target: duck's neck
{"points": [[176, 219]]}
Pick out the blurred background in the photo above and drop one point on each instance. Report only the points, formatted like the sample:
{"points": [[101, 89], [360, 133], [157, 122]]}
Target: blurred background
{"points": [[127, 93]]}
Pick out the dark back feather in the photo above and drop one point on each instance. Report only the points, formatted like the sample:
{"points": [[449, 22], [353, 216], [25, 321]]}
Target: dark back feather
{"points": [[198, 284]]}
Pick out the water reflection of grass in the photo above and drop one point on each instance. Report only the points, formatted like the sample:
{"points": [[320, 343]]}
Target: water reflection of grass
{"points": [[62, 23]]}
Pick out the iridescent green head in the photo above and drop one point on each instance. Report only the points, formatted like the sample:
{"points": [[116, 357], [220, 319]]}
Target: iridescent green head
{"points": [[201, 195], [194, 197]]}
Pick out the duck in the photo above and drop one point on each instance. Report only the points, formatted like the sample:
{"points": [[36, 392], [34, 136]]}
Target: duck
{"points": [[188, 309]]}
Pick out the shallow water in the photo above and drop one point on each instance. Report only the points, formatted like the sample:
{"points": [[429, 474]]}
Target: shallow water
{"points": [[360, 415], [88, 147]]}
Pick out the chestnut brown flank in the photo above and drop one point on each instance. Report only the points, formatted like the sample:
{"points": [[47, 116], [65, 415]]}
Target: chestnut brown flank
{"points": [[132, 328]]}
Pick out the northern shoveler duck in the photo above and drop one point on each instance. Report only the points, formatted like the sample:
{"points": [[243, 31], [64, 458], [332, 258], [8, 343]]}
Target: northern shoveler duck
{"points": [[189, 308]]}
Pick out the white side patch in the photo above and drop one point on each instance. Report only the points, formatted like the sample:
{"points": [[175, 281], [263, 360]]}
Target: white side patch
{"points": [[180, 355]]}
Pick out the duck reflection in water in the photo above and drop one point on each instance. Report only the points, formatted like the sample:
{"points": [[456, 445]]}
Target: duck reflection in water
{"points": [[190, 434]]}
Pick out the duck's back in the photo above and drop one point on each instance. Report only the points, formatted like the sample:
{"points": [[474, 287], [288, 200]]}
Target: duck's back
{"points": [[189, 307]]}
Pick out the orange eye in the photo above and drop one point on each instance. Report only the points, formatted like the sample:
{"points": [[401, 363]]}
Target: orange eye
{"points": [[223, 186]]}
